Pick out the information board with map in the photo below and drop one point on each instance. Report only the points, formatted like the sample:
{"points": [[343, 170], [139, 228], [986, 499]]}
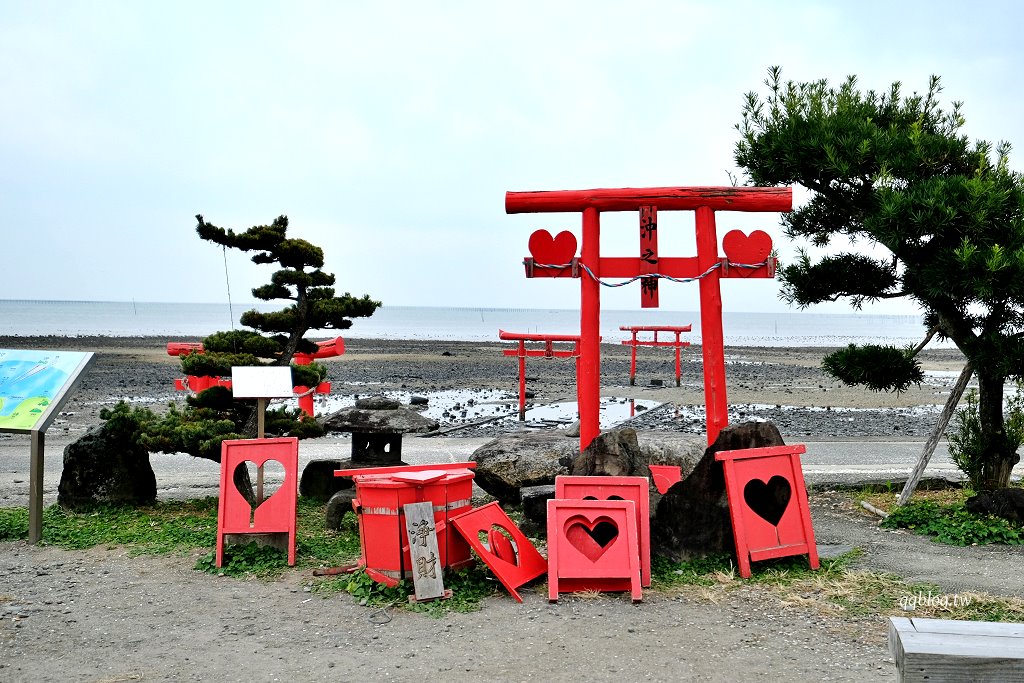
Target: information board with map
{"points": [[33, 385]]}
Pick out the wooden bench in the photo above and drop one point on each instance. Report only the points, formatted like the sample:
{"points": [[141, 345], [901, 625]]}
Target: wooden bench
{"points": [[936, 650]]}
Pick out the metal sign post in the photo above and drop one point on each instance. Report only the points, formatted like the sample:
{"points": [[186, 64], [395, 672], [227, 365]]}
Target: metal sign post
{"points": [[33, 387]]}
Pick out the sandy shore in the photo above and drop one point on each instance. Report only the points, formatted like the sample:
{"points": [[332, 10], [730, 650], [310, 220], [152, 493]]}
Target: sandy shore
{"points": [[784, 385]]}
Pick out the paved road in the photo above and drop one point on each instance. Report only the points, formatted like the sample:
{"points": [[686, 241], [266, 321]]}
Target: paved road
{"points": [[181, 476]]}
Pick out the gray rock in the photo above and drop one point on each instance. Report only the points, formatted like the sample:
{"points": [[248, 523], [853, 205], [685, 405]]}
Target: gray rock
{"points": [[105, 467], [337, 507], [318, 481], [512, 461], [692, 518], [535, 504], [378, 403]]}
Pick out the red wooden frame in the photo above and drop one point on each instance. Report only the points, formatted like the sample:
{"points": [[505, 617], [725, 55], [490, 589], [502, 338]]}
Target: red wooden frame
{"points": [[632, 343], [760, 531], [549, 351], [513, 565], [275, 514], [578, 561], [636, 489], [556, 257]]}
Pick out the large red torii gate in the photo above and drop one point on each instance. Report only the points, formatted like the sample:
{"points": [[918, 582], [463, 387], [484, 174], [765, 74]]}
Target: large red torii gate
{"points": [[745, 256]]}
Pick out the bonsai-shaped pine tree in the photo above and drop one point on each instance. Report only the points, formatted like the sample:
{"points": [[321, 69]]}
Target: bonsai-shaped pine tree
{"points": [[212, 415], [945, 218]]}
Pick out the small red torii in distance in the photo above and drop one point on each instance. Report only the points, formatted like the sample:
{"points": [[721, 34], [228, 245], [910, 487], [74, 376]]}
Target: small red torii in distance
{"points": [[634, 342], [745, 256], [326, 349], [549, 351]]}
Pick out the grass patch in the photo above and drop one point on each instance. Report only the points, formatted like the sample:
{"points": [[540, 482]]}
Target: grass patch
{"points": [[954, 524]]}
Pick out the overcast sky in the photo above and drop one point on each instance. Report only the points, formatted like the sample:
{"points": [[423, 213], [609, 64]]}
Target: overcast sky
{"points": [[389, 132]]}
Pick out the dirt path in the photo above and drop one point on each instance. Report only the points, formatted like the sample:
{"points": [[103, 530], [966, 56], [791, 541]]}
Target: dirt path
{"points": [[102, 615]]}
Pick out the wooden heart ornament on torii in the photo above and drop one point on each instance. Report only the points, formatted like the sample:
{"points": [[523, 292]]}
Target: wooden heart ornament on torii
{"points": [[746, 256]]}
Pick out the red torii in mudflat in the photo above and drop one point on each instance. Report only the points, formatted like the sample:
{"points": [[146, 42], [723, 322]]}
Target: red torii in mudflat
{"points": [[745, 256]]}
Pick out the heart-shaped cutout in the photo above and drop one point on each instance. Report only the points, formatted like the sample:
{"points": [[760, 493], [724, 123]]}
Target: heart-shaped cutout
{"points": [[591, 538], [552, 251], [499, 542], [749, 249], [768, 500], [273, 477]]}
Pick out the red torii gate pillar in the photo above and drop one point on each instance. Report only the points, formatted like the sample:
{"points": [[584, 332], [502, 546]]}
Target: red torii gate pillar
{"points": [[749, 256]]}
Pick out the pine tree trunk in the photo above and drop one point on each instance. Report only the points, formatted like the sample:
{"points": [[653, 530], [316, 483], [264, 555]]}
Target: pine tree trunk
{"points": [[997, 457]]}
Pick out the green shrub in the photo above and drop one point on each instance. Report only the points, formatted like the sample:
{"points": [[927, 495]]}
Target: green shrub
{"points": [[965, 442]]}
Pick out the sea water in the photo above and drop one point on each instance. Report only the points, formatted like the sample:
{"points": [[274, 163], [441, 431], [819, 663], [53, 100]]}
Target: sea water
{"points": [[131, 319]]}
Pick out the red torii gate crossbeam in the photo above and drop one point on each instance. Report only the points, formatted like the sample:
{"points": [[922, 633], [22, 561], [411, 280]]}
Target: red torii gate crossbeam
{"points": [[746, 256], [634, 342], [549, 351]]}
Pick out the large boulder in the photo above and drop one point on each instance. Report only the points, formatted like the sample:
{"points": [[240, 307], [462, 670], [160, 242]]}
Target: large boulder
{"points": [[526, 459], [512, 461], [105, 466], [692, 518]]}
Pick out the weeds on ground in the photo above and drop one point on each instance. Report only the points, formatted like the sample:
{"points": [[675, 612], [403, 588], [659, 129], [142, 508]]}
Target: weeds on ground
{"points": [[954, 524]]}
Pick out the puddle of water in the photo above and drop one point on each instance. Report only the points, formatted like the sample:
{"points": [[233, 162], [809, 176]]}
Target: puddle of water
{"points": [[461, 405], [611, 412], [458, 406]]}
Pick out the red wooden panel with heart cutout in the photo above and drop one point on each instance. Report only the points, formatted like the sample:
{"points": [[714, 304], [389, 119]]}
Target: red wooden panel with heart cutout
{"points": [[583, 554], [768, 504], [277, 513], [513, 566], [636, 489]]}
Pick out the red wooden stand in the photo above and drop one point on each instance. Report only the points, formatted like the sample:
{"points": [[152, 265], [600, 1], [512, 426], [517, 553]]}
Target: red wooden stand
{"points": [[276, 513], [634, 342], [507, 552], [636, 489], [549, 351], [745, 256], [768, 504], [382, 493], [592, 545]]}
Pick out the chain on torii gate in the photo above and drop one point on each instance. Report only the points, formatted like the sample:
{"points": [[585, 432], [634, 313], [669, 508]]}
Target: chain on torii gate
{"points": [[745, 256]]}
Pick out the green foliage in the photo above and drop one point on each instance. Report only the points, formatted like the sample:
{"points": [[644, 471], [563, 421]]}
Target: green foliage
{"points": [[212, 416], [954, 524], [245, 560], [156, 529], [13, 524], [944, 219], [710, 570], [966, 440], [469, 587], [879, 368]]}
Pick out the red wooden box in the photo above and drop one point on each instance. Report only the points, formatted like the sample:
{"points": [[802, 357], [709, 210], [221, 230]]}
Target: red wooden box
{"points": [[378, 504]]}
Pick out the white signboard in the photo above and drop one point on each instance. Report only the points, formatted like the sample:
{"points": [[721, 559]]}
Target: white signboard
{"points": [[270, 381]]}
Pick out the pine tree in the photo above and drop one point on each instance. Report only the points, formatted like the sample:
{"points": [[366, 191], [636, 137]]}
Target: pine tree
{"points": [[944, 217], [274, 338]]}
